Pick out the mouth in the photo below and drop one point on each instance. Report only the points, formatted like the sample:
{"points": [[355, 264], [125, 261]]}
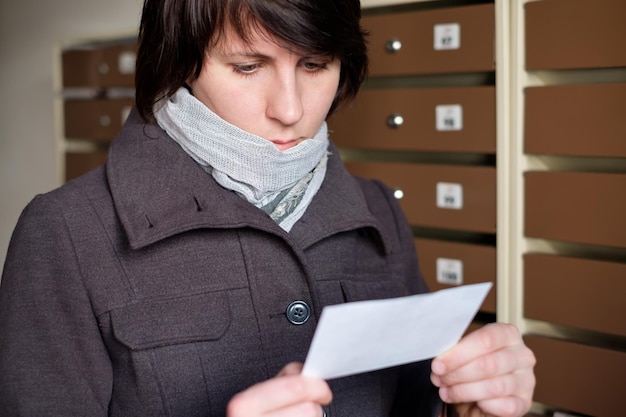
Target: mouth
{"points": [[284, 144]]}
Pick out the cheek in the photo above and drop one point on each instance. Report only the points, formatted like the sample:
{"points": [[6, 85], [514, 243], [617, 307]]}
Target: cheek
{"points": [[224, 97], [229, 103], [325, 95], [241, 109]]}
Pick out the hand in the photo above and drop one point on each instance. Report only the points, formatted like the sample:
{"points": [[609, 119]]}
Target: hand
{"points": [[488, 373], [287, 394]]}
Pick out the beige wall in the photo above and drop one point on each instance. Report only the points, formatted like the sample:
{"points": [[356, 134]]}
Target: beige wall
{"points": [[30, 32]]}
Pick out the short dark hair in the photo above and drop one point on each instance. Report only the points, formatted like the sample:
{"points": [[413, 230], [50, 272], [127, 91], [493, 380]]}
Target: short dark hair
{"points": [[174, 36]]}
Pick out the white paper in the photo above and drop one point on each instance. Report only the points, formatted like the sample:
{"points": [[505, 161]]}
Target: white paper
{"points": [[368, 335]]}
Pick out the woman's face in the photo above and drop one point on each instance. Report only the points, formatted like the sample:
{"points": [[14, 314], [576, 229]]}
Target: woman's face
{"points": [[267, 90]]}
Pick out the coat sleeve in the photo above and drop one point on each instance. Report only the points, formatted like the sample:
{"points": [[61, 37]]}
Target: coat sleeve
{"points": [[52, 358], [415, 395]]}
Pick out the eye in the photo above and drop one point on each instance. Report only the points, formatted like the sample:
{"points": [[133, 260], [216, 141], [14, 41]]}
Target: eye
{"points": [[246, 69], [313, 66]]}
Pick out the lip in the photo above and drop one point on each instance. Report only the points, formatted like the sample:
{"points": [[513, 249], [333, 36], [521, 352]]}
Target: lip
{"points": [[284, 144]]}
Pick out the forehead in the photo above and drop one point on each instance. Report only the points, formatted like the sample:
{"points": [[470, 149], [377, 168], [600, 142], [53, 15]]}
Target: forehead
{"points": [[231, 41], [250, 38]]}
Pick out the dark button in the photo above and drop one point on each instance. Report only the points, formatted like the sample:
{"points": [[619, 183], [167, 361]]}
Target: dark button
{"points": [[298, 312]]}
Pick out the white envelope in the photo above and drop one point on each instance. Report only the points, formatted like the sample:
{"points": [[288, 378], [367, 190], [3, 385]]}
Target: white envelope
{"points": [[368, 335]]}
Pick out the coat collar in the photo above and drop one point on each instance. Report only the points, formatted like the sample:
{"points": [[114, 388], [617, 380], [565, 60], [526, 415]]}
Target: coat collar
{"points": [[159, 191]]}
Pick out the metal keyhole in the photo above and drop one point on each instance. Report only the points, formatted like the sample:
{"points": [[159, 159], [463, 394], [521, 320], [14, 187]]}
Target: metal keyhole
{"points": [[393, 45], [395, 120]]}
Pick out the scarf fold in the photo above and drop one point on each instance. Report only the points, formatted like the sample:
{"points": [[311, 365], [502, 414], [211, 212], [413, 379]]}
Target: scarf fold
{"points": [[282, 183]]}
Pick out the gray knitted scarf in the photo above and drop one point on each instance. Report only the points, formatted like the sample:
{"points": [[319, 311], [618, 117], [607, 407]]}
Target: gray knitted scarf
{"points": [[282, 183]]}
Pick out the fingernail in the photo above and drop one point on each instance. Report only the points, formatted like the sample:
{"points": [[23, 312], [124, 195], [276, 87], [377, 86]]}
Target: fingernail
{"points": [[435, 379], [438, 367]]}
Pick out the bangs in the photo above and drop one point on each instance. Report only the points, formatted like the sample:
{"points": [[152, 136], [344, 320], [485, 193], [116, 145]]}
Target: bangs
{"points": [[295, 25]]}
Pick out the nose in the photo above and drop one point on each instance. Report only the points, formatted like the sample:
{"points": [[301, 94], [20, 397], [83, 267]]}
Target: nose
{"points": [[284, 102]]}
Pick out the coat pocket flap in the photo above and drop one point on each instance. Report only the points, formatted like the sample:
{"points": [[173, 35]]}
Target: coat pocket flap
{"points": [[359, 291], [150, 324]]}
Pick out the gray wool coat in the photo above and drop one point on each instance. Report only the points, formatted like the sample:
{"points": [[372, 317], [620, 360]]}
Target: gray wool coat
{"points": [[145, 289]]}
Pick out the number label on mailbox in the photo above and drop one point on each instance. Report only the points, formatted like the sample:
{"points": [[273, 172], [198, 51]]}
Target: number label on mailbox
{"points": [[447, 36], [449, 117], [449, 271], [449, 195]]}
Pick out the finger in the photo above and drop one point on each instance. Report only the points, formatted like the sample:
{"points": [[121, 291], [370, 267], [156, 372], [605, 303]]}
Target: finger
{"points": [[518, 385], [309, 409], [489, 338], [505, 407], [279, 393], [502, 407], [292, 368], [507, 360]]}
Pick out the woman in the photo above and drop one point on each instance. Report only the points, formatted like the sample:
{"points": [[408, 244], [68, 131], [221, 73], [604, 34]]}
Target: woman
{"points": [[185, 277]]}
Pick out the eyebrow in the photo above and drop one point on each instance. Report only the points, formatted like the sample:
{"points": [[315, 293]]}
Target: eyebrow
{"points": [[246, 54], [251, 53]]}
